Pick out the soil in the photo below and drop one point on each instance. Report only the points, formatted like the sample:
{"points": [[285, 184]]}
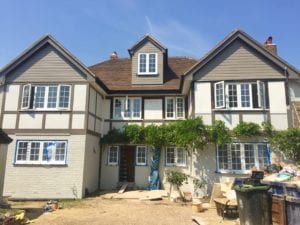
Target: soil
{"points": [[100, 210]]}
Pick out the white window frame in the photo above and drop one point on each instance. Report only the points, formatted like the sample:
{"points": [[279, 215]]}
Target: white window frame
{"points": [[243, 169], [147, 64], [221, 94], [261, 96], [45, 103], [109, 160], [41, 160], [143, 149], [176, 163], [124, 101], [175, 108]]}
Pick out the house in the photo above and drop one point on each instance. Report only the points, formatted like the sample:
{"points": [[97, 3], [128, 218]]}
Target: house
{"points": [[56, 109]]}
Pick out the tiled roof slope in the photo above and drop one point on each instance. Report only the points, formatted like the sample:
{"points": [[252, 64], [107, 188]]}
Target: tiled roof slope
{"points": [[116, 74]]}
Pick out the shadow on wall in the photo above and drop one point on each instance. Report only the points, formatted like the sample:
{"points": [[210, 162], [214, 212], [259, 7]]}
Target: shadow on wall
{"points": [[205, 167]]}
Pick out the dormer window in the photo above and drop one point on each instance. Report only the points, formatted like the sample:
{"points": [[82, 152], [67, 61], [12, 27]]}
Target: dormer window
{"points": [[147, 64]]}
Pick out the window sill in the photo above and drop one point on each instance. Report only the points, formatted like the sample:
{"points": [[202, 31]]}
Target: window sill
{"points": [[141, 165], [241, 110], [44, 110], [231, 172], [175, 165], [39, 164], [147, 74]]}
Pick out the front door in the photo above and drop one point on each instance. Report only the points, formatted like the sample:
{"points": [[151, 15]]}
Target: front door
{"points": [[126, 170]]}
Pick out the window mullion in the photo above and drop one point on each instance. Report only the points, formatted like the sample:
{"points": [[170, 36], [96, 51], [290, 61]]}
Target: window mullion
{"points": [[256, 159], [58, 96], [243, 162]]}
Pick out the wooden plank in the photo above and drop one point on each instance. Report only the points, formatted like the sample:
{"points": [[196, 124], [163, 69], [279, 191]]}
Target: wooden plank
{"points": [[124, 186]]}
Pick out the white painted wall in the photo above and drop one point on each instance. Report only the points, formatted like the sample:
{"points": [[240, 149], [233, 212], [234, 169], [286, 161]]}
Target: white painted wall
{"points": [[11, 97], [153, 109], [92, 101], [294, 90], [78, 121], [91, 163], [9, 121], [278, 108], [203, 101], [31, 121], [57, 121], [255, 118], [109, 174], [79, 97], [230, 119], [46, 182]]}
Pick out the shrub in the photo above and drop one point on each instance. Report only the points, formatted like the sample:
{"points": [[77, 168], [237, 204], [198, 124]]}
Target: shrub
{"points": [[246, 129]]}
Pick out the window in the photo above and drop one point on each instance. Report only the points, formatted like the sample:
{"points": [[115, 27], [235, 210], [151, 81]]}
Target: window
{"points": [[147, 63], [250, 95], [113, 155], [141, 155], [242, 157], [174, 107], [41, 152], [127, 108], [176, 156], [46, 97]]}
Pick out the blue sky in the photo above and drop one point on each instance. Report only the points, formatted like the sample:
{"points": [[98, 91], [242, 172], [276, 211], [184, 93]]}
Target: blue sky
{"points": [[92, 29]]}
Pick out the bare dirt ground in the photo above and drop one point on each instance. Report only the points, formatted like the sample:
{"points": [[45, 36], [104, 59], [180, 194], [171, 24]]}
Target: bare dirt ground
{"points": [[103, 211]]}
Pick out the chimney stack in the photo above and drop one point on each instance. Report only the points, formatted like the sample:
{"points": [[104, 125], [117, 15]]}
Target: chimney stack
{"points": [[114, 55], [270, 46]]}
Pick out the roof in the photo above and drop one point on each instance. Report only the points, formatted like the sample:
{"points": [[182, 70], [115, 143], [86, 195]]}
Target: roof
{"points": [[116, 75], [46, 39], [239, 34], [4, 138], [144, 39]]}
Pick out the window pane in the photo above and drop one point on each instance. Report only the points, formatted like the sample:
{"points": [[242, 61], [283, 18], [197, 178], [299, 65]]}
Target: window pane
{"points": [[141, 155], [170, 156], [245, 95], [236, 157], [22, 151], [118, 106], [170, 107], [262, 155], [52, 97], [64, 96], [249, 156], [26, 96], [180, 107], [127, 110], [48, 150], [39, 97], [152, 63], [219, 95], [60, 151], [223, 157], [113, 155], [232, 96], [181, 156], [34, 151], [137, 108], [142, 63]]}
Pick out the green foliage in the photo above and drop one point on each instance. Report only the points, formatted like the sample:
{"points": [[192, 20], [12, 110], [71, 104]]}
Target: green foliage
{"points": [[267, 128], [155, 135], [191, 133], [246, 129], [135, 134], [219, 133], [198, 183], [288, 142], [114, 136], [176, 178]]}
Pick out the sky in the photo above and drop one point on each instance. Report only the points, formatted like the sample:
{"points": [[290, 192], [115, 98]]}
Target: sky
{"points": [[92, 29]]}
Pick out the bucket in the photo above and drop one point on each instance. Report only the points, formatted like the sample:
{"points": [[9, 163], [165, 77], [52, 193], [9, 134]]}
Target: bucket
{"points": [[197, 206]]}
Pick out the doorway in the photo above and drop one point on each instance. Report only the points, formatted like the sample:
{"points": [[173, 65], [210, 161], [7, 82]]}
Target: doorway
{"points": [[126, 169]]}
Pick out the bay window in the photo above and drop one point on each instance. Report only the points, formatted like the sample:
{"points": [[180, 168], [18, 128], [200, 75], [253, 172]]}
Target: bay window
{"points": [[41, 152], [127, 108], [242, 157], [241, 96], [174, 107], [46, 97]]}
